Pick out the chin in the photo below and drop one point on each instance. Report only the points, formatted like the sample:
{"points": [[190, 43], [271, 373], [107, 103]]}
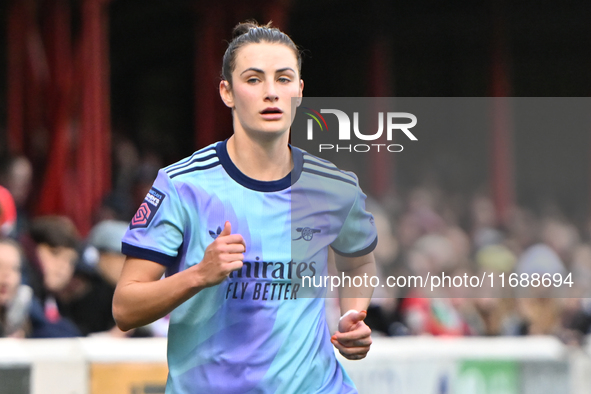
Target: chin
{"points": [[271, 132]]}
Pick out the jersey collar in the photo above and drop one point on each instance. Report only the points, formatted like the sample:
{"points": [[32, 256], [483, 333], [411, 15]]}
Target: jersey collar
{"points": [[254, 184]]}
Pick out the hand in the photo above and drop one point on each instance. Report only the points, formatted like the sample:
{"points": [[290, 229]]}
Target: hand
{"points": [[353, 338], [221, 257]]}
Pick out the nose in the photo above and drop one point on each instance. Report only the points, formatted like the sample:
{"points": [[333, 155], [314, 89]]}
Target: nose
{"points": [[271, 93]]}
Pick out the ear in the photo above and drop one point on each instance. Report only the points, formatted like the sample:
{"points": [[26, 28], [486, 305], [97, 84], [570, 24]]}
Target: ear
{"points": [[226, 94], [300, 94]]}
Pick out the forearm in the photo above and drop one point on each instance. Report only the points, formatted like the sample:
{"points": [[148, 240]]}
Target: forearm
{"points": [[137, 303], [358, 298], [141, 297], [353, 338]]}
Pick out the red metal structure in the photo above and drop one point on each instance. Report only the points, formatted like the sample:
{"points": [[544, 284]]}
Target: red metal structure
{"points": [[379, 72], [502, 183], [58, 94]]}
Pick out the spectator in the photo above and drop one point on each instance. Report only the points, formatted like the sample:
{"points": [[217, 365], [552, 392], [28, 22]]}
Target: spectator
{"points": [[15, 298], [484, 222], [16, 175], [495, 307], [106, 238], [52, 250], [88, 298], [7, 213]]}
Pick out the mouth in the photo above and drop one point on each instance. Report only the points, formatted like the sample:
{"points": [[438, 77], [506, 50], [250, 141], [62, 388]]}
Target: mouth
{"points": [[271, 111]]}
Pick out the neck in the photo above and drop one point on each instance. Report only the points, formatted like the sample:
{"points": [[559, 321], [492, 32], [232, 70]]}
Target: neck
{"points": [[263, 160]]}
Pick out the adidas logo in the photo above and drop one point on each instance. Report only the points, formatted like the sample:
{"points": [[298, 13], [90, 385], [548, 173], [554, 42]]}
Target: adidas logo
{"points": [[215, 234]]}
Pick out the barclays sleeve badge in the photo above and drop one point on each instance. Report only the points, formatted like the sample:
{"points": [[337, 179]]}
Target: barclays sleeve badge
{"points": [[148, 209]]}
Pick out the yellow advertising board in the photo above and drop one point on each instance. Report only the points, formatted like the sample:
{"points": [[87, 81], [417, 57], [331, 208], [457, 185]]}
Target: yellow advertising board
{"points": [[128, 378]]}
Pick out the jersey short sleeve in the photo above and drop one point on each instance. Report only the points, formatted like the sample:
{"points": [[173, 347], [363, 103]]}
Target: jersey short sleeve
{"points": [[358, 235], [156, 231]]}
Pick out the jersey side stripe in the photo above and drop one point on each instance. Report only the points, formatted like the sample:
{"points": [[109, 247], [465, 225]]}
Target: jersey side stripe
{"points": [[196, 157], [316, 158], [195, 160], [330, 168], [197, 168], [207, 160], [331, 176], [181, 162], [330, 165], [186, 160]]}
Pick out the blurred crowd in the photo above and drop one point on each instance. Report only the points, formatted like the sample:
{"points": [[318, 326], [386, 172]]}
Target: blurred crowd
{"points": [[432, 232], [56, 283]]}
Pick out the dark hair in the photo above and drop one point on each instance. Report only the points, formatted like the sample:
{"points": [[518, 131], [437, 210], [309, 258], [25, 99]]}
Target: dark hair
{"points": [[55, 231], [251, 32]]}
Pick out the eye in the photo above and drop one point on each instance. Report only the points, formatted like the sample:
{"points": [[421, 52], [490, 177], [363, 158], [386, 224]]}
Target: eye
{"points": [[252, 80], [284, 80]]}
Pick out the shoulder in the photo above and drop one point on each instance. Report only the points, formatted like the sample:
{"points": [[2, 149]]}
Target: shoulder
{"points": [[193, 165], [325, 171]]}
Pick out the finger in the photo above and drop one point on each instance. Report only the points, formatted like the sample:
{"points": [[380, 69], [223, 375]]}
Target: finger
{"points": [[232, 248], [365, 341], [355, 317], [231, 257], [360, 316], [355, 356], [351, 351], [232, 239], [351, 321], [234, 265], [227, 229], [361, 333], [354, 353]]}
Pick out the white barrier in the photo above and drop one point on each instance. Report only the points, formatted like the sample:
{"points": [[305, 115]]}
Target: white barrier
{"points": [[409, 365], [62, 366], [431, 365]]}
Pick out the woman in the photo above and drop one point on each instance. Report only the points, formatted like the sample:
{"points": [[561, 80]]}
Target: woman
{"points": [[227, 227], [15, 298]]}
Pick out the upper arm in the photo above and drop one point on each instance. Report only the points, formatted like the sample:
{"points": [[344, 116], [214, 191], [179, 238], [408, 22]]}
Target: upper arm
{"points": [[358, 234], [344, 263], [140, 270], [134, 298]]}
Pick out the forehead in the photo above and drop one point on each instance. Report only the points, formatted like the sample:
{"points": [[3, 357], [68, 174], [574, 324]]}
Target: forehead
{"points": [[9, 255], [265, 56]]}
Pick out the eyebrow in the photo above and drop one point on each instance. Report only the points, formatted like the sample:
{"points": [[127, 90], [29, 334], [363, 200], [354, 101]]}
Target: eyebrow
{"points": [[258, 70]]}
